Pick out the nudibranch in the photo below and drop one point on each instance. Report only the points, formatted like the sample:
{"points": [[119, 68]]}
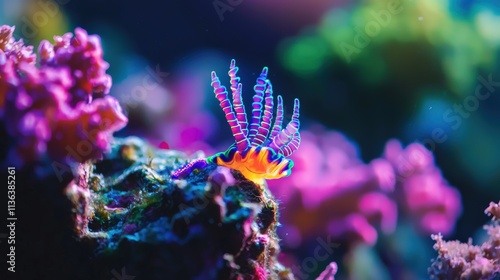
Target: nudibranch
{"points": [[260, 151]]}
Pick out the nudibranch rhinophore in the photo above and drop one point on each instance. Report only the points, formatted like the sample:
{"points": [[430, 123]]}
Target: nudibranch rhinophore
{"points": [[260, 151]]}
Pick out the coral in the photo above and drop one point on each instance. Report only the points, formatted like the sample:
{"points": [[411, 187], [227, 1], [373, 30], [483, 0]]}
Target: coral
{"points": [[167, 111], [215, 224], [421, 190], [189, 134], [187, 124], [260, 152], [14, 50], [332, 192], [493, 210], [58, 108], [12, 53], [82, 56], [458, 260], [329, 273]]}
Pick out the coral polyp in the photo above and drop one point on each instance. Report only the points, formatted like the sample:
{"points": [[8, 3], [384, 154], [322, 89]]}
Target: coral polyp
{"points": [[260, 151]]}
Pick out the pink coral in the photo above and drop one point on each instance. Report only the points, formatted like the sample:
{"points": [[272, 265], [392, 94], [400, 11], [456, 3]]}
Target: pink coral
{"points": [[189, 134], [58, 107], [86, 132], [32, 105], [183, 122], [458, 260], [421, 190], [14, 50], [82, 55], [12, 53], [493, 210], [331, 191], [329, 273]]}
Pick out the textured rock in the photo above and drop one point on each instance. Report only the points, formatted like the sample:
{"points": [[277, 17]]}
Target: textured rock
{"points": [[215, 224]]}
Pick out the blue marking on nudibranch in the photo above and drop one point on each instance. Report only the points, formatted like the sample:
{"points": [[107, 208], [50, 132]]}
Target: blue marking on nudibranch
{"points": [[260, 150], [189, 167]]}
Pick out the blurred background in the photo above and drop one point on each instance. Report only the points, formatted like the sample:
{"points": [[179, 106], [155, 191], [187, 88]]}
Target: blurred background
{"points": [[366, 71]]}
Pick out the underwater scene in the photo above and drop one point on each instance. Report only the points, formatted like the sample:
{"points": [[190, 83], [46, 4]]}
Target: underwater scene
{"points": [[250, 139]]}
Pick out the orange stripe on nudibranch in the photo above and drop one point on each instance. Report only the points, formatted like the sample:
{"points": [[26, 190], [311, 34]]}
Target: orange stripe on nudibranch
{"points": [[259, 153], [256, 164]]}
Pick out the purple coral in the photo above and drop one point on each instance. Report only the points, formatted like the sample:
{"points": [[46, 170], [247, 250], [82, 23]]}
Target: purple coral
{"points": [[421, 190], [12, 53], [329, 273], [189, 133], [333, 192], [12, 49], [458, 260], [82, 56], [187, 126], [57, 107]]}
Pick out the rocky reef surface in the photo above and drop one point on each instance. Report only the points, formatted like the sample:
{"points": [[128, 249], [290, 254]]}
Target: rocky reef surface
{"points": [[214, 224]]}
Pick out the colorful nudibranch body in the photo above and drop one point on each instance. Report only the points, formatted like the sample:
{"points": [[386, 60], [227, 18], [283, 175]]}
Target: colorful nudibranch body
{"points": [[260, 150]]}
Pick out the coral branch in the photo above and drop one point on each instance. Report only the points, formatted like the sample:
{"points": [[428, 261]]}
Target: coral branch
{"points": [[458, 260]]}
